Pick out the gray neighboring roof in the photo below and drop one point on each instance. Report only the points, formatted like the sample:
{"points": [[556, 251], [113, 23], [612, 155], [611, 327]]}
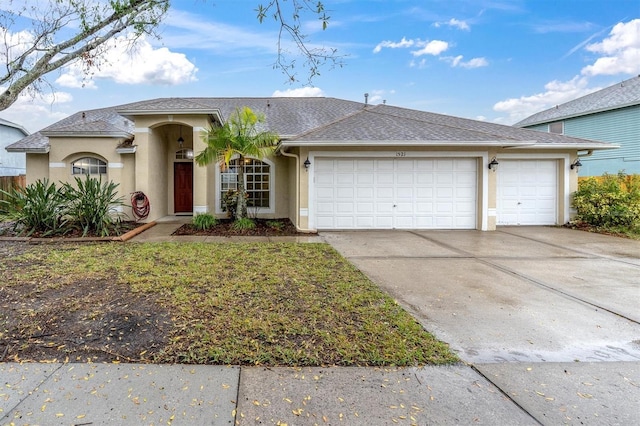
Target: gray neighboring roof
{"points": [[382, 124], [309, 121], [620, 95], [8, 123]]}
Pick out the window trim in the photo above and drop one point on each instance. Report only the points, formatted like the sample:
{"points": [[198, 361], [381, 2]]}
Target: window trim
{"points": [[99, 164], [272, 187], [561, 123]]}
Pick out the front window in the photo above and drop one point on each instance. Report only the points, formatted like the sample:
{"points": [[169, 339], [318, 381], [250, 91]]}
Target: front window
{"points": [[89, 166], [256, 181]]}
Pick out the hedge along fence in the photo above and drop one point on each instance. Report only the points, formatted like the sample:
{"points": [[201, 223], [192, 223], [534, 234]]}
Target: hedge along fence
{"points": [[7, 183], [610, 201]]}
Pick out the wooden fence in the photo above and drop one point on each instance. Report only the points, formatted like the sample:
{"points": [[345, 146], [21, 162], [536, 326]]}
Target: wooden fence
{"points": [[9, 182]]}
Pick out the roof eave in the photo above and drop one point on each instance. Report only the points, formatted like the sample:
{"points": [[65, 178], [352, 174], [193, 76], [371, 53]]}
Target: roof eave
{"points": [[40, 150], [63, 134], [390, 143], [570, 146], [580, 114]]}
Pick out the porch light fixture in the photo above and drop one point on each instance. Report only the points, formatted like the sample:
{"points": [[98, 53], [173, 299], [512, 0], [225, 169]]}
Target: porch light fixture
{"points": [[307, 163], [576, 165], [180, 139], [493, 165]]}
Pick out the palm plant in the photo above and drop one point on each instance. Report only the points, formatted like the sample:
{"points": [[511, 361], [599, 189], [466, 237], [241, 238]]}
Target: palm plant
{"points": [[239, 136]]}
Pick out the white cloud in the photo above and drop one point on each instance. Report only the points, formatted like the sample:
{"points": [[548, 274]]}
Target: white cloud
{"points": [[301, 92], [556, 93], [404, 43], [420, 64], [621, 49], [377, 96], [139, 63], [36, 112], [434, 47], [453, 22], [472, 63]]}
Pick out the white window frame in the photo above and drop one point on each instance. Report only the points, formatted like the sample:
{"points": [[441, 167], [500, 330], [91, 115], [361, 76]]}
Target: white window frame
{"points": [[100, 164], [272, 187]]}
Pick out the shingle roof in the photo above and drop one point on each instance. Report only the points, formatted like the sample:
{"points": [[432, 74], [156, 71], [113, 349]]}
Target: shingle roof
{"points": [[393, 124], [305, 121], [620, 95]]}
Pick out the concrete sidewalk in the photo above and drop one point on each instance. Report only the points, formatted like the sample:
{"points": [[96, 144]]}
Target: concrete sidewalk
{"points": [[128, 394]]}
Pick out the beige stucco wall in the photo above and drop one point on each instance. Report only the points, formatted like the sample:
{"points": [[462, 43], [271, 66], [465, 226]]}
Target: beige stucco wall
{"points": [[37, 167]]}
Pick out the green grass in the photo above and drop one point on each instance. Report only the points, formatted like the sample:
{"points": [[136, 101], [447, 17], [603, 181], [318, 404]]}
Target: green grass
{"points": [[248, 304]]}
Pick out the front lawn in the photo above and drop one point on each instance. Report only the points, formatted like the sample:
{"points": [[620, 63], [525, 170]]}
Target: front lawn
{"points": [[242, 304]]}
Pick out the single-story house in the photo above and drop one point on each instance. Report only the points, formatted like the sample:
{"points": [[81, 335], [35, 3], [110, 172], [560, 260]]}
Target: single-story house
{"points": [[610, 115], [339, 164], [11, 163]]}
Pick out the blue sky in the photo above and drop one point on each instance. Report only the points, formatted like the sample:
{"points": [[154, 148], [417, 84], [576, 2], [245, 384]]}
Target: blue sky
{"points": [[494, 60]]}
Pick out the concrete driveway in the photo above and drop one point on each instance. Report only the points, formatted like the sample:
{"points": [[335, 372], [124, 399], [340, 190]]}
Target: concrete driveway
{"points": [[525, 294]]}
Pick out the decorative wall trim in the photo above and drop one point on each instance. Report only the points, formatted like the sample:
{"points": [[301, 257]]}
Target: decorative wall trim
{"points": [[57, 165]]}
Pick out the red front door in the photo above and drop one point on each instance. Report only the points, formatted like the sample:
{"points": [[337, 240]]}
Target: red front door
{"points": [[183, 187]]}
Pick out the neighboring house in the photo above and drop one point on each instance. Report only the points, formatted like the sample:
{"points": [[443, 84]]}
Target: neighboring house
{"points": [[339, 164], [609, 115], [11, 163]]}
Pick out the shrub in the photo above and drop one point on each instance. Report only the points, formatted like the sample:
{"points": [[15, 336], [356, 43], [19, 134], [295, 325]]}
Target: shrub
{"points": [[39, 207], [275, 224], [243, 223], [204, 221], [93, 205], [609, 201]]}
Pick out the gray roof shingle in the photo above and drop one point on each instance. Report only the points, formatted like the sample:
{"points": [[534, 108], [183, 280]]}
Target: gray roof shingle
{"points": [[304, 121], [620, 95]]}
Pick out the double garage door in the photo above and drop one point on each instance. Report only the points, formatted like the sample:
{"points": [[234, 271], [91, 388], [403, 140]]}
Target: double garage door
{"points": [[388, 193]]}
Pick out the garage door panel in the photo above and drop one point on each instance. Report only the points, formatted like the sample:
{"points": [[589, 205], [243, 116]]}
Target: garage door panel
{"points": [[527, 192], [395, 193], [342, 192]]}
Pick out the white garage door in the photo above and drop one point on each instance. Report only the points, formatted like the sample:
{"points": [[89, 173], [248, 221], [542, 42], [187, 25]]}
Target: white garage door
{"points": [[527, 192], [417, 193]]}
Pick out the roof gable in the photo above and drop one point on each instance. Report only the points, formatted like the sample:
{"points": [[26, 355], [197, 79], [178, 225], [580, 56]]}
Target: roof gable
{"points": [[620, 95]]}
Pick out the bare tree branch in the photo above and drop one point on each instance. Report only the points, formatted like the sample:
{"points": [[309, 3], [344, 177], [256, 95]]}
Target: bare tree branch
{"points": [[95, 23], [314, 57]]}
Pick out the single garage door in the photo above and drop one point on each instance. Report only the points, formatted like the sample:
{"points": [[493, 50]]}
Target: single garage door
{"points": [[388, 193], [527, 192]]}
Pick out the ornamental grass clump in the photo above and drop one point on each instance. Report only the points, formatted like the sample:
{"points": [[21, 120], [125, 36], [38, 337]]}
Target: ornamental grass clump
{"points": [[204, 221], [93, 206], [37, 208]]}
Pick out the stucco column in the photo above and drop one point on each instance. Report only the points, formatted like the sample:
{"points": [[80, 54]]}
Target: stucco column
{"points": [[492, 196], [201, 179]]}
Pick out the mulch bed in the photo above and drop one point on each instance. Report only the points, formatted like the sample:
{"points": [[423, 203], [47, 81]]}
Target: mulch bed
{"points": [[6, 230], [263, 228]]}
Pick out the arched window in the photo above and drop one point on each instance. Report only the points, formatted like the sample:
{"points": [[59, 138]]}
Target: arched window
{"points": [[257, 181], [89, 166]]}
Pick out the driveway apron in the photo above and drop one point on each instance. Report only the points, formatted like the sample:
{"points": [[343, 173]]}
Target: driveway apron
{"points": [[548, 315], [516, 294]]}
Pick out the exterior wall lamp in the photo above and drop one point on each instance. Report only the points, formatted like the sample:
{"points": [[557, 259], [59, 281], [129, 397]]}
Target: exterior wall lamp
{"points": [[493, 165], [307, 163], [180, 139], [576, 165]]}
